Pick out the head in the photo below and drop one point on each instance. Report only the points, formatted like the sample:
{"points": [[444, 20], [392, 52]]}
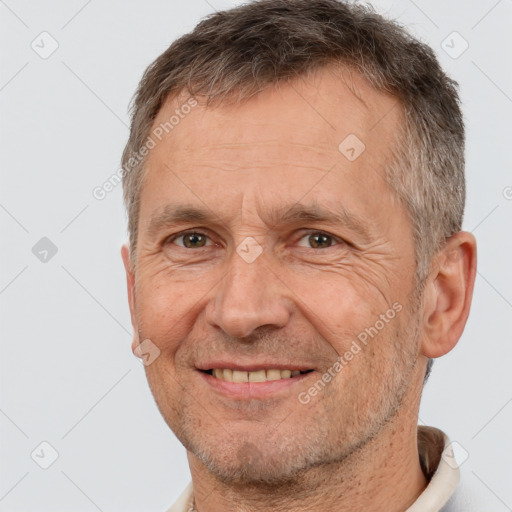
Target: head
{"points": [[295, 193]]}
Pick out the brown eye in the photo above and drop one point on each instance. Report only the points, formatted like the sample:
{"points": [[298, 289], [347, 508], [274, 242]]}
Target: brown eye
{"points": [[191, 240], [318, 240]]}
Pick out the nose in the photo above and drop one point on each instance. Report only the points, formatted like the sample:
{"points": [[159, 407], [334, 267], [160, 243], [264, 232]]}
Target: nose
{"points": [[249, 296]]}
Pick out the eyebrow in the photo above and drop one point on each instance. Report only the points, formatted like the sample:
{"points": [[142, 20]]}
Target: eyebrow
{"points": [[277, 216]]}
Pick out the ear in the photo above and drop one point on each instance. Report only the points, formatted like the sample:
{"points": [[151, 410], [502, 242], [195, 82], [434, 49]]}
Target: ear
{"points": [[130, 282], [448, 294]]}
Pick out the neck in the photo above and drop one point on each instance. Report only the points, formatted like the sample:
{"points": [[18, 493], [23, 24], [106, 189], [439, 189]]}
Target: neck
{"points": [[385, 470]]}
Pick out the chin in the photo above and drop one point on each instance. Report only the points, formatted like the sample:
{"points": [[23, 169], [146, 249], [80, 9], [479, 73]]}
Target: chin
{"points": [[251, 467], [259, 462]]}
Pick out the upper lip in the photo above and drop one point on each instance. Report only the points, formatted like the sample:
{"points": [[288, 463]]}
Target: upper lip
{"points": [[252, 367]]}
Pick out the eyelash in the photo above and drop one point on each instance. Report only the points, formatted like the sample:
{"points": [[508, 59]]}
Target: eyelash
{"points": [[336, 240]]}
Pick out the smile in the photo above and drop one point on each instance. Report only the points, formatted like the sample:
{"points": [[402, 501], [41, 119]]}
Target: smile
{"points": [[264, 375]]}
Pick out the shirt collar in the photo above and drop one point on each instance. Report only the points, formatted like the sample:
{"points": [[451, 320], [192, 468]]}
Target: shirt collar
{"points": [[440, 468]]}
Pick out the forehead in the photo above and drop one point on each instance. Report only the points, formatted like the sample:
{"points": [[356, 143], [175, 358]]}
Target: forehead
{"points": [[319, 110], [291, 135]]}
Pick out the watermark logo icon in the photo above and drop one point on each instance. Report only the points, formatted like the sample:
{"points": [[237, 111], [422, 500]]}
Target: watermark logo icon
{"points": [[351, 147], [249, 249], [454, 45], [147, 352], [44, 250], [44, 455], [455, 455], [45, 45]]}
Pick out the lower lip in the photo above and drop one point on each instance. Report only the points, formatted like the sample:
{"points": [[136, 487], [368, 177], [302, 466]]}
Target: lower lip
{"points": [[241, 390]]}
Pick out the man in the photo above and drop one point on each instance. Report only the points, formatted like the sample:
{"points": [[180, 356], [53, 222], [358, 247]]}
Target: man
{"points": [[295, 191]]}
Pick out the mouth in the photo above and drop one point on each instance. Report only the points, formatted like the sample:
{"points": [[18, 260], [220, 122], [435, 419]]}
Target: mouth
{"points": [[262, 375]]}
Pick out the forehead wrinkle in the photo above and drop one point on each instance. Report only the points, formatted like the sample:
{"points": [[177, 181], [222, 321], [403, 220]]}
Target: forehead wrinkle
{"points": [[230, 166], [318, 149]]}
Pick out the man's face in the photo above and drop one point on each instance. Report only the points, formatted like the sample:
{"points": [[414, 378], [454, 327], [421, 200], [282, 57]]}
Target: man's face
{"points": [[253, 288]]}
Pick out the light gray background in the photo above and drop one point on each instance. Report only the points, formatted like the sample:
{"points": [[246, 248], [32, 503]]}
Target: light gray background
{"points": [[68, 375]]}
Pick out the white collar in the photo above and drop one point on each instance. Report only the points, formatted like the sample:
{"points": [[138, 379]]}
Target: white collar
{"points": [[437, 456]]}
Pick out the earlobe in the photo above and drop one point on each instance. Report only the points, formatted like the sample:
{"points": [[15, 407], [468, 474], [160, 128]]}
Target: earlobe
{"points": [[448, 294]]}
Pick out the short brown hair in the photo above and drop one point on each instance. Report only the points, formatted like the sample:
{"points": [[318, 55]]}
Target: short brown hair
{"points": [[235, 54]]}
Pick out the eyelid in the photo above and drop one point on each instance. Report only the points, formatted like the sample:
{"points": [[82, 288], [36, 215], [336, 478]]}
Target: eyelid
{"points": [[307, 232], [204, 232]]}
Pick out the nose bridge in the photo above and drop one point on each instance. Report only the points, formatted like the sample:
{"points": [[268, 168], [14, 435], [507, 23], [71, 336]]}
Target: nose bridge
{"points": [[250, 295]]}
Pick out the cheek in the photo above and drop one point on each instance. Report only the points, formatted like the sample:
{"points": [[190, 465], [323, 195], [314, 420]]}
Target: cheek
{"points": [[357, 318], [163, 313], [340, 301], [162, 295]]}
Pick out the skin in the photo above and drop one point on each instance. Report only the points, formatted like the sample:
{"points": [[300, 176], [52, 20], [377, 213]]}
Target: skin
{"points": [[302, 301]]}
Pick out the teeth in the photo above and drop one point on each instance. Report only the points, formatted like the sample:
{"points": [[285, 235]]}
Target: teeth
{"points": [[257, 376], [273, 374], [238, 376]]}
